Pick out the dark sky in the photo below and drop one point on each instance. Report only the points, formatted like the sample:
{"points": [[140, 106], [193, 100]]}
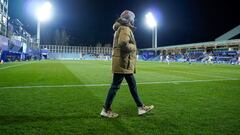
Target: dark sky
{"points": [[90, 21]]}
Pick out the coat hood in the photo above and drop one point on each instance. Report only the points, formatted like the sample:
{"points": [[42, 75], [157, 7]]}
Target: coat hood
{"points": [[122, 22]]}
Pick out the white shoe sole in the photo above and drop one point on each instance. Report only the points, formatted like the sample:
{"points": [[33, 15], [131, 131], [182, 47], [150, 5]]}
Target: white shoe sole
{"points": [[146, 111], [106, 116]]}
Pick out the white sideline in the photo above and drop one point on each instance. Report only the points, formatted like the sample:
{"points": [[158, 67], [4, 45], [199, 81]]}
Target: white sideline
{"points": [[18, 65], [100, 85]]}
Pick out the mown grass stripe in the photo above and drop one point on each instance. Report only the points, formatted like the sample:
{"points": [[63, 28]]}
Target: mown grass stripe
{"points": [[100, 85]]}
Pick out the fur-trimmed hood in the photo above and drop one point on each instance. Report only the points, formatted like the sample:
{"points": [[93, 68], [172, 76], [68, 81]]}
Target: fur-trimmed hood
{"points": [[123, 22]]}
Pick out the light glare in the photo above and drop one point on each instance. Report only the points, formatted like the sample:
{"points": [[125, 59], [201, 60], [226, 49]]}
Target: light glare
{"points": [[150, 20], [44, 12]]}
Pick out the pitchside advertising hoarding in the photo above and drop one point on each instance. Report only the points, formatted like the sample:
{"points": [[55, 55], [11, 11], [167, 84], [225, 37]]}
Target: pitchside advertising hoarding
{"points": [[44, 51], [3, 43], [226, 53], [148, 54]]}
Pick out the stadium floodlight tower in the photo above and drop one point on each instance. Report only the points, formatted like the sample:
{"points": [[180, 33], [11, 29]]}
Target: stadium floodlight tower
{"points": [[152, 23], [44, 13]]}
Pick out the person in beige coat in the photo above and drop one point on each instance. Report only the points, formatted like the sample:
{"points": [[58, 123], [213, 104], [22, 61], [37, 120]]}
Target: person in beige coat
{"points": [[124, 63]]}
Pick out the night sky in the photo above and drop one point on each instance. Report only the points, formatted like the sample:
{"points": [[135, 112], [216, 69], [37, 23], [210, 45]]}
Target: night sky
{"points": [[90, 21]]}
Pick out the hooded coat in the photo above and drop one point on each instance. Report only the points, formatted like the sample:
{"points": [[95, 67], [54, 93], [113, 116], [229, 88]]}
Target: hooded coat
{"points": [[124, 48]]}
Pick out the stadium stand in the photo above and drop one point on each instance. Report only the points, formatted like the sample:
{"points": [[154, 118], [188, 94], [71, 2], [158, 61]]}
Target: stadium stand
{"points": [[216, 52], [219, 51]]}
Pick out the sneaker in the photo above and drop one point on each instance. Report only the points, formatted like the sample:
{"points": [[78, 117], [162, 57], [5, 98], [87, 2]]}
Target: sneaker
{"points": [[108, 114], [144, 109]]}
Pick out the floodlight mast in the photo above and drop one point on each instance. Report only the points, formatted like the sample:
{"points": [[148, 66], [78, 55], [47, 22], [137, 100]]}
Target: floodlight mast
{"points": [[38, 33], [43, 14], [152, 23]]}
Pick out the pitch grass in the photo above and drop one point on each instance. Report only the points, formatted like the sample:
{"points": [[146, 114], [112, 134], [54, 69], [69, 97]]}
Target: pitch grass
{"points": [[187, 108]]}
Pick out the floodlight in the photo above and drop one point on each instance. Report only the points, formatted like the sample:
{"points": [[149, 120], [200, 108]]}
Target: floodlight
{"points": [[44, 12], [150, 20]]}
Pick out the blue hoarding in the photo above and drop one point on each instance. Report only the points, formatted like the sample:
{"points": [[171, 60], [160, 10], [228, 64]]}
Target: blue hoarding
{"points": [[3, 43]]}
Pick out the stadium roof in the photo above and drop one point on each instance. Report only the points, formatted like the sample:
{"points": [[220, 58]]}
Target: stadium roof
{"points": [[230, 34], [197, 45]]}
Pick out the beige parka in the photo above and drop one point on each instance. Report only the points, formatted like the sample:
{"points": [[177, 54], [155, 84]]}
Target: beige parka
{"points": [[124, 49]]}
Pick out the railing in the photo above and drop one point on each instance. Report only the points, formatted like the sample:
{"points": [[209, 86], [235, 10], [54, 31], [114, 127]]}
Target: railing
{"points": [[77, 49]]}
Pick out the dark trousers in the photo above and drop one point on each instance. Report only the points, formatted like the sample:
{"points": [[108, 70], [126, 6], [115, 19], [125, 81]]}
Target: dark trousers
{"points": [[117, 80]]}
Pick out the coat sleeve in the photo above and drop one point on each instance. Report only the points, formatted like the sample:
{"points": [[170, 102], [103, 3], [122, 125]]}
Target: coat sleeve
{"points": [[125, 42]]}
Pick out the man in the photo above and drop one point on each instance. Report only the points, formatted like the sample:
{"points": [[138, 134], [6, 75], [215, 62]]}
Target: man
{"points": [[161, 58], [167, 59], [189, 59], [210, 58], [124, 63]]}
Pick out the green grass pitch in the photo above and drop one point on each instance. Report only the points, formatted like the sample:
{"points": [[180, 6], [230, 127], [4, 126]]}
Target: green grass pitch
{"points": [[60, 97]]}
